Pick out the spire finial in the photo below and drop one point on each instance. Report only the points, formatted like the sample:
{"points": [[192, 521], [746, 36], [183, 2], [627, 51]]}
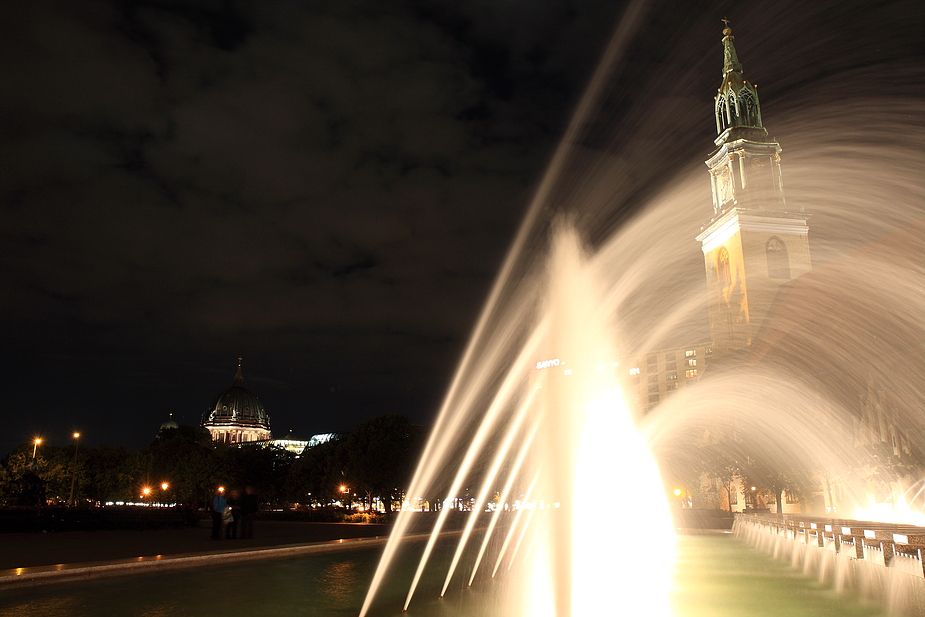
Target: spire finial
{"points": [[239, 376], [730, 59]]}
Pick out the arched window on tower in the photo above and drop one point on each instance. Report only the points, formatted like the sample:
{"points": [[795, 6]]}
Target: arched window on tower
{"points": [[748, 107], [723, 273], [778, 259], [720, 114]]}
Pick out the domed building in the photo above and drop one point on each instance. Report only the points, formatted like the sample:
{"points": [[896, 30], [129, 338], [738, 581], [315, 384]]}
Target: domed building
{"points": [[237, 415], [170, 423]]}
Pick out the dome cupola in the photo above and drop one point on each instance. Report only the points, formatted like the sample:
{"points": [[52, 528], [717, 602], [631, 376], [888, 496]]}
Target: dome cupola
{"points": [[237, 415], [169, 423]]}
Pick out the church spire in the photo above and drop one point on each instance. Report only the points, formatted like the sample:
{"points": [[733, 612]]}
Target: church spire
{"points": [[737, 111], [731, 60]]}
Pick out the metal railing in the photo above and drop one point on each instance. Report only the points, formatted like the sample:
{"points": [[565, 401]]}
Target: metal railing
{"points": [[846, 534]]}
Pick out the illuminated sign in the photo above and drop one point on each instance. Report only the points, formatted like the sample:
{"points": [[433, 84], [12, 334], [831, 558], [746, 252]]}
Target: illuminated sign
{"points": [[548, 363]]}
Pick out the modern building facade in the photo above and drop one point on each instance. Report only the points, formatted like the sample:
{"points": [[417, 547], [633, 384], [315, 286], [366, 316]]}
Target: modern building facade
{"points": [[655, 376], [648, 379]]}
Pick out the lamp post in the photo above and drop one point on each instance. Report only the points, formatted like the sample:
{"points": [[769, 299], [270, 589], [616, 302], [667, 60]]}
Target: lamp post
{"points": [[70, 499], [34, 465]]}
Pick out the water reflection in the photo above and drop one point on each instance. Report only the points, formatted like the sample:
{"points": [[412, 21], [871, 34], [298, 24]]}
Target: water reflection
{"points": [[716, 576], [339, 581]]}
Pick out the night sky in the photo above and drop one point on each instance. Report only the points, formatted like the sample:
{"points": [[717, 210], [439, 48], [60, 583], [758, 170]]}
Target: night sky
{"points": [[327, 189]]}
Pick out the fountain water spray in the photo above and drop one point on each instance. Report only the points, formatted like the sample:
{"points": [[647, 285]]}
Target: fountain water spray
{"points": [[561, 432], [539, 430]]}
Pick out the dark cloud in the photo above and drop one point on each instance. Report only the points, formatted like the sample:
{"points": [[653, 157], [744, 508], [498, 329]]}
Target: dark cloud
{"points": [[324, 188]]}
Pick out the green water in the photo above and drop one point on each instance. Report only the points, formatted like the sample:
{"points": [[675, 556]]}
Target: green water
{"points": [[720, 576], [717, 576]]}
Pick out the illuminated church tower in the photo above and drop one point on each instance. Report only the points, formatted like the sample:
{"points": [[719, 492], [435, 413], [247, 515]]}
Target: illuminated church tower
{"points": [[753, 244]]}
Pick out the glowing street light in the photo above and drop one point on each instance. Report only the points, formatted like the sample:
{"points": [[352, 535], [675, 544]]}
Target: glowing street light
{"points": [[164, 486], [70, 499], [145, 492], [35, 446]]}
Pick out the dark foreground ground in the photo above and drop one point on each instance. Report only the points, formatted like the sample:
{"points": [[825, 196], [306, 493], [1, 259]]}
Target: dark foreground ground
{"points": [[148, 538], [23, 550]]}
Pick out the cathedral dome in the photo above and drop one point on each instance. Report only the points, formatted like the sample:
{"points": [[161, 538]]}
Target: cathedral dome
{"points": [[170, 423], [237, 415]]}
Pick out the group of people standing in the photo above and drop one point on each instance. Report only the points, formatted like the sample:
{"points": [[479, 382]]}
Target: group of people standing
{"points": [[234, 513]]}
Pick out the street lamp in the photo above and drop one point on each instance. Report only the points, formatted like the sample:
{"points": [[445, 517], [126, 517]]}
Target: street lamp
{"points": [[35, 447], [70, 499]]}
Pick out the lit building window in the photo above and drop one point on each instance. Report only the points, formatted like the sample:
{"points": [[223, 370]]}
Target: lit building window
{"points": [[634, 371], [690, 353], [692, 362], [691, 373], [567, 371], [671, 376]]}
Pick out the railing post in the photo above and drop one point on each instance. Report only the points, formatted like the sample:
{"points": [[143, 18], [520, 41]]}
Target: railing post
{"points": [[835, 537]]}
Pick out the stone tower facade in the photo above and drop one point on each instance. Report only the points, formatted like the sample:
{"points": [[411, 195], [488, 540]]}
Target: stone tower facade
{"points": [[753, 243]]}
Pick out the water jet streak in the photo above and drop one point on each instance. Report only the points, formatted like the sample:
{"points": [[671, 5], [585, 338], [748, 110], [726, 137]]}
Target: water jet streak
{"points": [[481, 496], [512, 383], [515, 525], [531, 512], [503, 498]]}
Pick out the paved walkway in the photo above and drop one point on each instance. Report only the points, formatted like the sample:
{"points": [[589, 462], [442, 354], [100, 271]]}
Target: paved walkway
{"points": [[29, 553]]}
